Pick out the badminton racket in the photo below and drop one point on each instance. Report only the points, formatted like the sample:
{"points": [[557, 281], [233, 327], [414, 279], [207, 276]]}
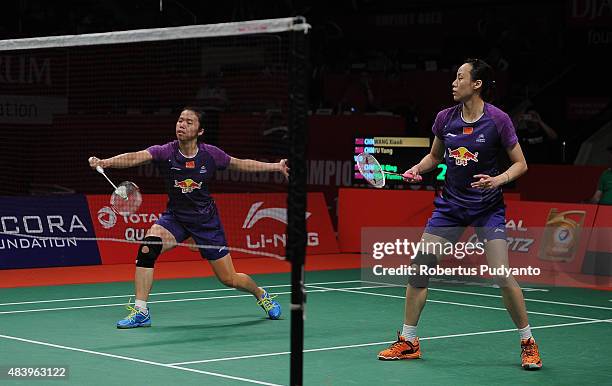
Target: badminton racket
{"points": [[374, 174], [126, 197]]}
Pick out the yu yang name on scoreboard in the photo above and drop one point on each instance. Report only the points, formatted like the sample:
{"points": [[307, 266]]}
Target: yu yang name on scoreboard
{"points": [[395, 154]]}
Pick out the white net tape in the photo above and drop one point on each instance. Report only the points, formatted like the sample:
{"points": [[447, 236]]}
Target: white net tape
{"points": [[160, 34]]}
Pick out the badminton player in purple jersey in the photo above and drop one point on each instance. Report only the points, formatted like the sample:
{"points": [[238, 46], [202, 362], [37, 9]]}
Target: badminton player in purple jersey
{"points": [[468, 137], [186, 167]]}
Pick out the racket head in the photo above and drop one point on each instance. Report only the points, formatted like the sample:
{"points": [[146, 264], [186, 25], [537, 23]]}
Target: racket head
{"points": [[126, 199], [370, 169]]}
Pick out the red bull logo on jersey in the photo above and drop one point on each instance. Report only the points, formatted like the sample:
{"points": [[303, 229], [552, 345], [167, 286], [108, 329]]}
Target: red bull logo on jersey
{"points": [[462, 155], [188, 185]]}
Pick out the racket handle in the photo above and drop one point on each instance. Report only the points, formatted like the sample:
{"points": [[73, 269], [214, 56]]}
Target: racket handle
{"points": [[101, 171], [99, 168], [410, 176]]}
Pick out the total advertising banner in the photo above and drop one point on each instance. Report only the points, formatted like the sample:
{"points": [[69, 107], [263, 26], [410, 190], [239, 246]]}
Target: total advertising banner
{"points": [[46, 232], [254, 224], [119, 236]]}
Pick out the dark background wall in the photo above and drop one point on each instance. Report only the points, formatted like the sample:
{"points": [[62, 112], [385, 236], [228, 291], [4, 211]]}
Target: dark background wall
{"points": [[399, 56]]}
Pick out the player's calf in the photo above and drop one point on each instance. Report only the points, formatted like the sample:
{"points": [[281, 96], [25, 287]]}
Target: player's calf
{"points": [[422, 263]]}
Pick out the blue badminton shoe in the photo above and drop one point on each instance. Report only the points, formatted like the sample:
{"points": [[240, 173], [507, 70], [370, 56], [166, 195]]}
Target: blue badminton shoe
{"points": [[136, 318], [272, 308]]}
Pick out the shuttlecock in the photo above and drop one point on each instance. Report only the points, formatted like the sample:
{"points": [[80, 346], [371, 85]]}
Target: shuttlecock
{"points": [[122, 192]]}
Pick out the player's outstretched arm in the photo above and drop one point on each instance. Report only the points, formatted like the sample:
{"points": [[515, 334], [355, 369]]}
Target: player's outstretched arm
{"points": [[122, 161], [431, 160], [249, 165]]}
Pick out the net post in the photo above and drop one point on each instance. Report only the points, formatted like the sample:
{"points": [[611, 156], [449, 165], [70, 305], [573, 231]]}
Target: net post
{"points": [[296, 201]]}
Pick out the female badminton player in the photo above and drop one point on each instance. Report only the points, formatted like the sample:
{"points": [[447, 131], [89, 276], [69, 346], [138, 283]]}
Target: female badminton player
{"points": [[186, 167], [468, 137]]}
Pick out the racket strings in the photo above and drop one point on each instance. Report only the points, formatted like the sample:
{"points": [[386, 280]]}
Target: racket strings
{"points": [[370, 169], [126, 199]]}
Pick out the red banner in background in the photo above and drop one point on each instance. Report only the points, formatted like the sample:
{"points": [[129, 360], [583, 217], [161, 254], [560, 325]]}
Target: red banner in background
{"points": [[122, 229], [358, 208], [252, 222], [257, 223], [570, 243], [555, 238], [549, 247]]}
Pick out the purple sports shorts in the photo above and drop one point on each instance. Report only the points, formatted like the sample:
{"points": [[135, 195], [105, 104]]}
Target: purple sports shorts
{"points": [[208, 234], [450, 220]]}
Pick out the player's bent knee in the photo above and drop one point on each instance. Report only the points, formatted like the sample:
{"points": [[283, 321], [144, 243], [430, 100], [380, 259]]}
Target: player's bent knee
{"points": [[149, 251], [422, 263]]}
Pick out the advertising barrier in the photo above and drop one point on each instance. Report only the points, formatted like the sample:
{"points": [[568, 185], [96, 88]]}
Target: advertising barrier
{"points": [[257, 223], [254, 224], [46, 232], [359, 208], [570, 244], [119, 236]]}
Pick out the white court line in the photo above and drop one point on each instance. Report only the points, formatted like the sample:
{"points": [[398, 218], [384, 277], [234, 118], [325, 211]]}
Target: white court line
{"points": [[167, 293], [288, 285], [386, 342], [138, 360], [499, 296], [529, 300], [453, 303], [171, 301]]}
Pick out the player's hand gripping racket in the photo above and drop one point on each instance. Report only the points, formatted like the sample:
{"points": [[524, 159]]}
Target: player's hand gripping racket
{"points": [[126, 197], [371, 170]]}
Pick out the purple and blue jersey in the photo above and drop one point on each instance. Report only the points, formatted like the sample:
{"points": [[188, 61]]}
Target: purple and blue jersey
{"points": [[186, 178], [191, 211], [472, 148]]}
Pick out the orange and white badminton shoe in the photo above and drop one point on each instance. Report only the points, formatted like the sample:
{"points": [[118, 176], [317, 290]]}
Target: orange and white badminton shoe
{"points": [[530, 355], [401, 349]]}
